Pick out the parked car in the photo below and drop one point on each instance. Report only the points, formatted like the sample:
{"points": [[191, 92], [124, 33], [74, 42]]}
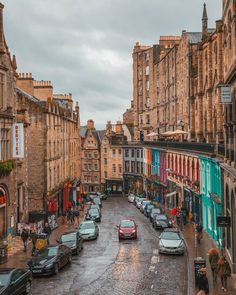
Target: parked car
{"points": [[154, 213], [94, 206], [50, 259], [136, 200], [15, 281], [97, 201], [171, 242], [139, 203], [131, 198], [143, 205], [88, 230], [73, 240], [162, 221], [127, 229], [148, 208], [93, 214], [103, 196]]}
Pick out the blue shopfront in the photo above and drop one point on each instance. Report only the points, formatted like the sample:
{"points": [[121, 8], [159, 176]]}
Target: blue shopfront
{"points": [[211, 194]]}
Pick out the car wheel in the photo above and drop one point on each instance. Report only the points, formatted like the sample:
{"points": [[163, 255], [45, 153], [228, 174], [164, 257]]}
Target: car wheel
{"points": [[70, 259], [56, 269], [28, 287]]}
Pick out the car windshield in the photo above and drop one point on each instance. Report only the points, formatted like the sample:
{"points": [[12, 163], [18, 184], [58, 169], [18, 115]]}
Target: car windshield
{"points": [[161, 217], [47, 252], [96, 201], [156, 211], [170, 236], [93, 212], [86, 225], [4, 279], [94, 207], [68, 237], [127, 224]]}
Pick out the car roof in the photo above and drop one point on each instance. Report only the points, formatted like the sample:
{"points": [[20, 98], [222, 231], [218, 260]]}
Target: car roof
{"points": [[126, 220], [87, 221]]}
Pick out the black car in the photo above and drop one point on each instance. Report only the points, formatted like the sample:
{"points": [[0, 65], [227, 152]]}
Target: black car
{"points": [[50, 259], [162, 221], [97, 201], [154, 213], [15, 281], [93, 214], [73, 240]]}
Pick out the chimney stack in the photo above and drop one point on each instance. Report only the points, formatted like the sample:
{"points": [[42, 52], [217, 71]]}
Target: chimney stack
{"points": [[90, 124]]}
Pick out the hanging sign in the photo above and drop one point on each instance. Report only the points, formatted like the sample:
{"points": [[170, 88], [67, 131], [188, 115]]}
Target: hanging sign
{"points": [[18, 140]]}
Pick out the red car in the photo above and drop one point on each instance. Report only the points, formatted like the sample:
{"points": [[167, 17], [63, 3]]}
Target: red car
{"points": [[127, 229]]}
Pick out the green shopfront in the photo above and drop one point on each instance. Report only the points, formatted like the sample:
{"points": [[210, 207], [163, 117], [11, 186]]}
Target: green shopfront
{"points": [[211, 194]]}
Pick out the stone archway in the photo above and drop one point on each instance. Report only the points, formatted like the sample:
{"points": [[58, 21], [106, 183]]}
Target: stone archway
{"points": [[3, 211]]}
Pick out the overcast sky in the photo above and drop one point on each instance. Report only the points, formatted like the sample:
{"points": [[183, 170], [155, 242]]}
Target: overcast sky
{"points": [[85, 46]]}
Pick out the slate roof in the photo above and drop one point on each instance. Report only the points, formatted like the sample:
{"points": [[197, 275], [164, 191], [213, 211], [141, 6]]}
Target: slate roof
{"points": [[83, 130], [194, 37], [30, 97], [101, 134]]}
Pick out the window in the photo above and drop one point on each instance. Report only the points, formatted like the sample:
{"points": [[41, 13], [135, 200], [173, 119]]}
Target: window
{"points": [[132, 153], [95, 155], [105, 174], [120, 168], [114, 168], [90, 156], [119, 151], [147, 119], [105, 150], [105, 161], [138, 167], [95, 179], [133, 167], [141, 153], [95, 167], [113, 153], [127, 166], [137, 153], [85, 167], [147, 70], [90, 167], [2, 90], [126, 153], [5, 144]]}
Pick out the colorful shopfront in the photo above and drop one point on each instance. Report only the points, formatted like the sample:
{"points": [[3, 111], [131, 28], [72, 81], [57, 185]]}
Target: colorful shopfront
{"points": [[211, 193]]}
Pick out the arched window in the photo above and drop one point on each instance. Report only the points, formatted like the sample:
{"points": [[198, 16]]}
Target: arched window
{"points": [[229, 21]]}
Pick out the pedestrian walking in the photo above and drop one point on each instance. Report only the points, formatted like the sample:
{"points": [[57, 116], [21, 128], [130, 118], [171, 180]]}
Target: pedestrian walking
{"points": [[25, 236], [199, 232], [33, 238], [203, 284], [224, 271], [213, 259], [48, 231]]}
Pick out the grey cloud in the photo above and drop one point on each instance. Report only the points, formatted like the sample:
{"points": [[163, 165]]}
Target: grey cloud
{"points": [[85, 46]]}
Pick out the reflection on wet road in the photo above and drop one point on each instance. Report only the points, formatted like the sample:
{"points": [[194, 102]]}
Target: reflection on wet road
{"points": [[110, 267]]}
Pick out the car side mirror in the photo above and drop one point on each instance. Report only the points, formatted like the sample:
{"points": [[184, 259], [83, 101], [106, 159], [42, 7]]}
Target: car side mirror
{"points": [[58, 241]]}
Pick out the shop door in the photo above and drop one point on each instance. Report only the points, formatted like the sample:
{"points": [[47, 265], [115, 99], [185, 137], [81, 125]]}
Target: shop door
{"points": [[2, 221]]}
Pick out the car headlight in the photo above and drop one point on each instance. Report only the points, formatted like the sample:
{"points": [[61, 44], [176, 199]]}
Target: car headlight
{"points": [[133, 231], [181, 245], [74, 245], [157, 222]]}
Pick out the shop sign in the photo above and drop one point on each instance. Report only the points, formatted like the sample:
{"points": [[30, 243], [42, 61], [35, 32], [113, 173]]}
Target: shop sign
{"points": [[226, 95], [223, 221], [18, 140]]}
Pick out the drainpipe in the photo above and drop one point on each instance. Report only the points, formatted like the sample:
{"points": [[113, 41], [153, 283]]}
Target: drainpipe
{"points": [[189, 87]]}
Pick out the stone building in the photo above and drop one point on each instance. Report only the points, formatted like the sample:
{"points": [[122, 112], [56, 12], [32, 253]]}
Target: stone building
{"points": [[90, 157], [128, 116], [112, 158], [229, 165], [53, 147], [8, 180], [208, 108]]}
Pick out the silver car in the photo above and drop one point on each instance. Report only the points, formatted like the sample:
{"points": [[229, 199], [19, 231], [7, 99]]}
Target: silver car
{"points": [[139, 203], [171, 242], [88, 230], [144, 203]]}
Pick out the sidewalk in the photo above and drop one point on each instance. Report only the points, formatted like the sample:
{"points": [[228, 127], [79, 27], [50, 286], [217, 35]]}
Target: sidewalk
{"points": [[18, 258], [202, 251]]}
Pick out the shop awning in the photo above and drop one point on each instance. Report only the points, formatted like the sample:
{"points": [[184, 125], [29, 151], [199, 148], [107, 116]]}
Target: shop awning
{"points": [[215, 198], [152, 134], [171, 194]]}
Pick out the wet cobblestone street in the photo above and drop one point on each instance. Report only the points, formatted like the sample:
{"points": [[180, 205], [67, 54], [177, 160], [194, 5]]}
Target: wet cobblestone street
{"points": [[107, 266]]}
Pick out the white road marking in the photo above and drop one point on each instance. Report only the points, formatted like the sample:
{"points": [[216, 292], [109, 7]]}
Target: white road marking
{"points": [[151, 286], [152, 267], [155, 251], [156, 272], [154, 259]]}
